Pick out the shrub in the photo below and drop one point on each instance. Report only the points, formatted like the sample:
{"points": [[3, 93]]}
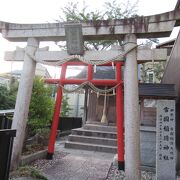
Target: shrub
{"points": [[65, 106], [27, 171], [41, 107]]}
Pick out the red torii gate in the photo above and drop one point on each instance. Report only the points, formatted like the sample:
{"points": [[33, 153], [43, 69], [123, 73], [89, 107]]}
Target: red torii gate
{"points": [[98, 82]]}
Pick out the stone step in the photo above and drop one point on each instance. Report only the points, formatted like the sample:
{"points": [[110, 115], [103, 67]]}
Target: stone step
{"points": [[91, 147], [93, 140], [85, 132], [99, 127]]}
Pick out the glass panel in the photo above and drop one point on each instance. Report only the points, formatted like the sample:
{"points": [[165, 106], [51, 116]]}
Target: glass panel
{"points": [[76, 72], [151, 77], [104, 72]]}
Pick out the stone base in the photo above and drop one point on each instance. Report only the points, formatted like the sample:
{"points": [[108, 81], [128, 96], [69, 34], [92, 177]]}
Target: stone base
{"points": [[32, 157], [121, 165], [49, 156], [99, 123]]}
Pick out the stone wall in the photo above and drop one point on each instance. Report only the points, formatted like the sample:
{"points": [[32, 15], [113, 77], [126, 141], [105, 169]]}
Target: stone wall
{"points": [[148, 146]]}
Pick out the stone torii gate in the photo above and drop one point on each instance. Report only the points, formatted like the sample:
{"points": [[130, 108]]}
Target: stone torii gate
{"points": [[128, 30], [143, 55]]}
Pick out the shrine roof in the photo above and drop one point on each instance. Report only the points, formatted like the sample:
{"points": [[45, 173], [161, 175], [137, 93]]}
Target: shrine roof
{"points": [[157, 91]]}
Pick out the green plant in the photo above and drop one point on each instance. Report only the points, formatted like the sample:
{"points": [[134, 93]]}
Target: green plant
{"points": [[155, 67], [27, 171], [65, 106], [8, 95], [41, 106], [4, 100], [32, 148], [43, 136], [43, 132], [74, 12]]}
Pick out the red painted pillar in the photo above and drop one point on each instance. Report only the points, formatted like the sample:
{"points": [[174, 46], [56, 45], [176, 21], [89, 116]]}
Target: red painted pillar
{"points": [[90, 72], [120, 118], [56, 116]]}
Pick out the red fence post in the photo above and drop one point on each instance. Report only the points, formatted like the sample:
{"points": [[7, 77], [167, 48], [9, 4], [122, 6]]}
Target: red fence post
{"points": [[56, 116], [120, 118]]}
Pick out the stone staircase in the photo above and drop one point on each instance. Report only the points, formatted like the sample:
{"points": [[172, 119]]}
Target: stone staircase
{"points": [[93, 138]]}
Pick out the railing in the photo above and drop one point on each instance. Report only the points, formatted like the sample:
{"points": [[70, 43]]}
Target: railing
{"points": [[6, 118], [6, 143], [68, 123]]}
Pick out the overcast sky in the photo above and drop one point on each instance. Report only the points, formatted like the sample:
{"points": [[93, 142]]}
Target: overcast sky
{"points": [[39, 11], [42, 11]]}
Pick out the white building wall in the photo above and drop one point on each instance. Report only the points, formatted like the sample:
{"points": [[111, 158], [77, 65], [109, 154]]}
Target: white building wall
{"points": [[76, 103]]}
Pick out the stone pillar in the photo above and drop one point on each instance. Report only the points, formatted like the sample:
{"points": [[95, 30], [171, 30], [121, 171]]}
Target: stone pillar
{"points": [[23, 100], [131, 111]]}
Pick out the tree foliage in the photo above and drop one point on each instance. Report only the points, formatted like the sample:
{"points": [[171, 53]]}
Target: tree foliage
{"points": [[5, 102], [41, 106], [159, 70], [8, 95], [115, 9], [65, 106], [156, 67]]}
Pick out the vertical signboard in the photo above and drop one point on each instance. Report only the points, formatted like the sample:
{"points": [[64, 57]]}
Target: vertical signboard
{"points": [[74, 39], [165, 140]]}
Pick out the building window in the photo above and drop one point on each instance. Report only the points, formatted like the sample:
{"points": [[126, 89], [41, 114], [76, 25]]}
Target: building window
{"points": [[150, 77]]}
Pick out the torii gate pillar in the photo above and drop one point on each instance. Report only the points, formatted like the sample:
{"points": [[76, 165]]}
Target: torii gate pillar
{"points": [[23, 100], [131, 111]]}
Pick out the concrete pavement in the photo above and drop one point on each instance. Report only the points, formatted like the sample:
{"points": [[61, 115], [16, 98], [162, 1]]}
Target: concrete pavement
{"points": [[70, 164]]}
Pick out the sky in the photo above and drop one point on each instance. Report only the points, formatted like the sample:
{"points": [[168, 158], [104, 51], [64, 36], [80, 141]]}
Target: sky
{"points": [[43, 11]]}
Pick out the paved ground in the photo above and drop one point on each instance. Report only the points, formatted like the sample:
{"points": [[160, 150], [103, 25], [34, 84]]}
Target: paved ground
{"points": [[69, 164]]}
